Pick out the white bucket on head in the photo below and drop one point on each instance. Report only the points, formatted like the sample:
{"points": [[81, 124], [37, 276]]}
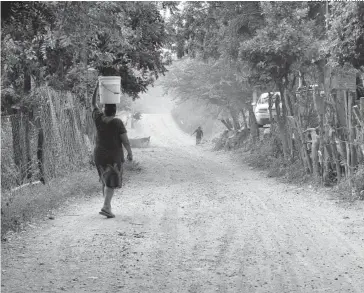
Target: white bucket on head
{"points": [[109, 89]]}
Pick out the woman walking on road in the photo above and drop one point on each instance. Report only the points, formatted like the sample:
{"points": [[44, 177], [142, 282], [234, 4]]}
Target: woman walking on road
{"points": [[199, 135], [108, 153]]}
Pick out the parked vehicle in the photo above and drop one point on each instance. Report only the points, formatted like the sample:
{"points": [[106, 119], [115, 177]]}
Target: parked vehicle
{"points": [[261, 108]]}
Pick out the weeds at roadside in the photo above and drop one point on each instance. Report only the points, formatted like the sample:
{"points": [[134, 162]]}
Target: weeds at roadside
{"points": [[20, 206], [278, 167], [37, 201], [352, 188], [267, 154]]}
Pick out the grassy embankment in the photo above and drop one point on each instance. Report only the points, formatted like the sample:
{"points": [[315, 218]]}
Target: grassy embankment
{"points": [[266, 154], [35, 202]]}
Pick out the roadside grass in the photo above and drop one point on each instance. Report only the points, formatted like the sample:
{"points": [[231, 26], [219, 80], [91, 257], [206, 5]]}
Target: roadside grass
{"points": [[267, 155], [35, 202], [277, 167], [351, 189]]}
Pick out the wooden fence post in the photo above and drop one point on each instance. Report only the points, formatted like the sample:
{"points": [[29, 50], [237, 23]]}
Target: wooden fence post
{"points": [[336, 156], [348, 124], [319, 103]]}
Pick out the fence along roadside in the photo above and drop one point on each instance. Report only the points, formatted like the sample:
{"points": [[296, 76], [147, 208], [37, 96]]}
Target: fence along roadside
{"points": [[53, 140]]}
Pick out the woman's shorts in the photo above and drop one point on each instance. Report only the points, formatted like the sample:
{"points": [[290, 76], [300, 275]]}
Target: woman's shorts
{"points": [[111, 176]]}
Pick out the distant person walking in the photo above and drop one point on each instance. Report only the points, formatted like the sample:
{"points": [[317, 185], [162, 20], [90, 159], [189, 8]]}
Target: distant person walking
{"points": [[108, 153], [199, 135]]}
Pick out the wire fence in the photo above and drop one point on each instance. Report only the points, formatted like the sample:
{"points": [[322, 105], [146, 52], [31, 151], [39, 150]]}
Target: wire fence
{"points": [[52, 140]]}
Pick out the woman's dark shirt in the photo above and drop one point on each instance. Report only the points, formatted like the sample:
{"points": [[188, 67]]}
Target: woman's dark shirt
{"points": [[108, 142]]}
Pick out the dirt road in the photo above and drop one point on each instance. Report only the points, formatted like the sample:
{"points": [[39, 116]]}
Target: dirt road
{"points": [[192, 221]]}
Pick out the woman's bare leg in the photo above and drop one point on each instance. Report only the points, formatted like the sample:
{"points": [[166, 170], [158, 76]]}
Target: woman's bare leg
{"points": [[108, 192]]}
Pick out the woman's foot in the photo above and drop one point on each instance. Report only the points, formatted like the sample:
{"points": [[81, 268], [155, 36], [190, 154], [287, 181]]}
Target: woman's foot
{"points": [[107, 213]]}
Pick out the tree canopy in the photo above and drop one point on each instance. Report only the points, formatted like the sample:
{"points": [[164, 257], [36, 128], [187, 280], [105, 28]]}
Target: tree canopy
{"points": [[55, 43], [270, 44], [345, 43], [264, 44]]}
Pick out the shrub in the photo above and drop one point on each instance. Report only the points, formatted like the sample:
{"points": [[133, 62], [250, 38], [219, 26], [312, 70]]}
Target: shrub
{"points": [[352, 188]]}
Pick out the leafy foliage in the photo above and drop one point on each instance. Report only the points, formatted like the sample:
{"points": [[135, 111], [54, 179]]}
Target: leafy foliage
{"points": [[55, 43], [280, 43], [212, 83], [270, 46], [345, 41]]}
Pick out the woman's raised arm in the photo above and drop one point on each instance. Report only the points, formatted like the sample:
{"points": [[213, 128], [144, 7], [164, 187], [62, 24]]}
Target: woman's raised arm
{"points": [[93, 102]]}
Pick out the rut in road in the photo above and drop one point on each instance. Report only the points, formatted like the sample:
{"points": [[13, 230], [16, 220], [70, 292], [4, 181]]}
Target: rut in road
{"points": [[192, 221]]}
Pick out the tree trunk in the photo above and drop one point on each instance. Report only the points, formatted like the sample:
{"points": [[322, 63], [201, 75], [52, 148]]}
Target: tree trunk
{"points": [[254, 129], [72, 147], [236, 123], [229, 122], [244, 118], [15, 130], [40, 150], [27, 88], [28, 158], [287, 102], [227, 125], [336, 157], [281, 119], [234, 116], [270, 105], [352, 156]]}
